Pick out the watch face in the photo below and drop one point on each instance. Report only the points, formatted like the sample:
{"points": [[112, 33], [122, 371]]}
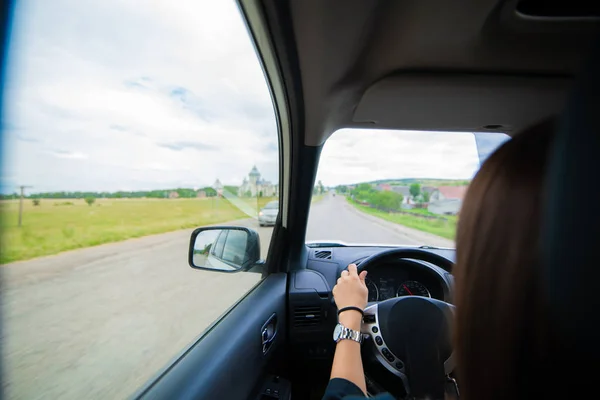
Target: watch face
{"points": [[337, 332]]}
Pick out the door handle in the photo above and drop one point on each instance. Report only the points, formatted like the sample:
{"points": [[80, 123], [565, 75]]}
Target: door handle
{"points": [[268, 332]]}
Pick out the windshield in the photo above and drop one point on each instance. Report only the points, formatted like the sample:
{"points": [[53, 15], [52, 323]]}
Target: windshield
{"points": [[395, 187]]}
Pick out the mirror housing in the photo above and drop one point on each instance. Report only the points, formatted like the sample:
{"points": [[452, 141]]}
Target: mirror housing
{"points": [[224, 248]]}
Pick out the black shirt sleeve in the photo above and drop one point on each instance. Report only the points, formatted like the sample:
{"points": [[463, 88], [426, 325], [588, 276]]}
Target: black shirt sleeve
{"points": [[339, 388]]}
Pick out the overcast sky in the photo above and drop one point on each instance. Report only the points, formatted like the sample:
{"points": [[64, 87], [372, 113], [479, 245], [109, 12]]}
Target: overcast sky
{"points": [[356, 155], [149, 94]]}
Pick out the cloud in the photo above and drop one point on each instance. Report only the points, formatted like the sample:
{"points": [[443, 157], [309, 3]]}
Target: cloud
{"points": [[358, 155], [190, 102], [74, 155], [118, 127], [110, 109], [123, 128], [24, 138], [131, 107], [179, 146], [141, 83]]}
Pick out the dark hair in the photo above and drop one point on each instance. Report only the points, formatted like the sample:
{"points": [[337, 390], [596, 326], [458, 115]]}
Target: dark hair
{"points": [[501, 334]]}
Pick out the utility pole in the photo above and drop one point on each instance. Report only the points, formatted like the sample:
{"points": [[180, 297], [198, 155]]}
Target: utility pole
{"points": [[21, 203]]}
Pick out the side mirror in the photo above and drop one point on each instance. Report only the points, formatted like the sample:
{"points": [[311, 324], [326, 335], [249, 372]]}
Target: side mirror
{"points": [[224, 248]]}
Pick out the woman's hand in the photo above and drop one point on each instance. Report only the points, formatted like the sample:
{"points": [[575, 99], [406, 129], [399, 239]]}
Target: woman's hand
{"points": [[351, 289]]}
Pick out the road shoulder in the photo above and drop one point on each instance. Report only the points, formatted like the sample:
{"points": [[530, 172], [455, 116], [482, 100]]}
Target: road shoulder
{"points": [[417, 235]]}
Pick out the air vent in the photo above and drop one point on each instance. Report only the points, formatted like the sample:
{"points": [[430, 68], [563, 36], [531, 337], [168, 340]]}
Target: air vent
{"points": [[307, 316], [324, 254]]}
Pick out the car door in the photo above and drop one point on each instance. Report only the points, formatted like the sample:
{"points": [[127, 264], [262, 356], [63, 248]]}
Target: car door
{"points": [[233, 358]]}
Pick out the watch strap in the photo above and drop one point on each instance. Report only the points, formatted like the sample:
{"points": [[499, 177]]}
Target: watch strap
{"points": [[349, 334]]}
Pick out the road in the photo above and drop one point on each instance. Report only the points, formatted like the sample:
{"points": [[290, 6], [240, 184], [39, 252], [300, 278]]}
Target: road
{"points": [[334, 219], [99, 322]]}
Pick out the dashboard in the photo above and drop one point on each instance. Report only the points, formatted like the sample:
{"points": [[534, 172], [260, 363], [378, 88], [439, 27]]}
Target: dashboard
{"points": [[312, 310], [403, 278]]}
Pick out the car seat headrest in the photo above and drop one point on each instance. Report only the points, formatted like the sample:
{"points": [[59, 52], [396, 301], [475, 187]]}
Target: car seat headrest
{"points": [[571, 221]]}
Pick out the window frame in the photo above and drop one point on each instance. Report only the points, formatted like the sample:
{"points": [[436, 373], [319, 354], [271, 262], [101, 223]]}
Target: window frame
{"points": [[229, 239], [222, 235]]}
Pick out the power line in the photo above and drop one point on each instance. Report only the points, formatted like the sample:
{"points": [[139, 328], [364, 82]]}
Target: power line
{"points": [[21, 203]]}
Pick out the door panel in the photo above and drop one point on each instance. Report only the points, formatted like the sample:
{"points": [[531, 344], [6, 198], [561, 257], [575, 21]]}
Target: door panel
{"points": [[228, 361]]}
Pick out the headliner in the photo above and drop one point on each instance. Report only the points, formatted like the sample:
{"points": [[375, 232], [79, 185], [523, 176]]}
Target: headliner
{"points": [[475, 65]]}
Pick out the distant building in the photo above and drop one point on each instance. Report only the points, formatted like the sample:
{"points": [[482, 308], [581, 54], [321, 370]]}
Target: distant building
{"points": [[173, 195], [448, 193], [447, 199], [403, 190], [201, 194], [383, 187], [255, 186], [406, 197]]}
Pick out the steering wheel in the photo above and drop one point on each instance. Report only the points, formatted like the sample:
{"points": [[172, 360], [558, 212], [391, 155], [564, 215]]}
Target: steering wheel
{"points": [[411, 335]]}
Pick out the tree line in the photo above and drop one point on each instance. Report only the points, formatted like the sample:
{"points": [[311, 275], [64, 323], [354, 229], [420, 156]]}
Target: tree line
{"points": [[382, 200], [156, 194], [385, 200]]}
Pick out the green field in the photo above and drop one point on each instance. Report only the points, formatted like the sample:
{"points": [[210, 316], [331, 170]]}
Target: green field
{"points": [[56, 226], [446, 229], [257, 203], [65, 224]]}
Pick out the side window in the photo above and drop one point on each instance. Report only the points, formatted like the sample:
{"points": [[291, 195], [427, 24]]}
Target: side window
{"points": [[220, 244], [126, 125], [235, 247]]}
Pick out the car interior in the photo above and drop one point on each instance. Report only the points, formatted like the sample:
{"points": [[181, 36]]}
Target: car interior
{"points": [[470, 66]]}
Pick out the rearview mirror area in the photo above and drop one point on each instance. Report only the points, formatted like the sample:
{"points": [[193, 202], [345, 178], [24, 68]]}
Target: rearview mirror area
{"points": [[224, 249]]}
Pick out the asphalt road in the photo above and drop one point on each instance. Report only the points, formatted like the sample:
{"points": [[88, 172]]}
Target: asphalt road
{"points": [[334, 219], [99, 322]]}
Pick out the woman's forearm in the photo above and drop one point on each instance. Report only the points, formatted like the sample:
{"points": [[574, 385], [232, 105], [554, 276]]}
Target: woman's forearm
{"points": [[347, 363]]}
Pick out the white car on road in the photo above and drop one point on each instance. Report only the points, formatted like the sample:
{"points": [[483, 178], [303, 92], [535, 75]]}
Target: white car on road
{"points": [[268, 214]]}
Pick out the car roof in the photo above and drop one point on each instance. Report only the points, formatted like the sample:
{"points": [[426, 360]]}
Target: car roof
{"points": [[475, 65]]}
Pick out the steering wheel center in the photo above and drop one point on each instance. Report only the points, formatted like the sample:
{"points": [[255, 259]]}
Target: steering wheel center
{"points": [[415, 325], [412, 338]]}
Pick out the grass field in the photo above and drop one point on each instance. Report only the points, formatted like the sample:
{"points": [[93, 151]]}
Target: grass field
{"points": [[257, 203], [446, 229], [65, 224], [56, 226]]}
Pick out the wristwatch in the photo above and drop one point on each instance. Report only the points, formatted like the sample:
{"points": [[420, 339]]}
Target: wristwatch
{"points": [[341, 332]]}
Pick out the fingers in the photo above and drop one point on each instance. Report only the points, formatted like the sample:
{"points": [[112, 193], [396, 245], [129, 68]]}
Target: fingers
{"points": [[352, 269], [363, 276], [352, 272]]}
